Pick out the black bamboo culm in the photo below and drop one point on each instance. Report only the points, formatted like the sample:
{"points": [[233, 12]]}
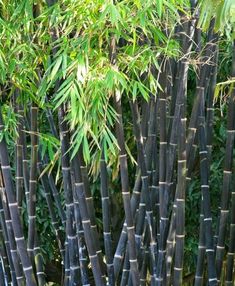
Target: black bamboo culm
{"points": [[9, 235], [204, 176], [83, 260], [90, 206], [3, 278], [121, 246], [145, 194], [14, 212], [106, 219], [229, 279], [10, 245], [19, 154], [55, 223], [226, 188], [86, 222], [124, 176], [32, 181], [72, 268], [180, 204], [5, 256]]}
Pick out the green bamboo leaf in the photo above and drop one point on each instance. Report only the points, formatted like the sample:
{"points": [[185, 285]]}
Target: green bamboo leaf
{"points": [[134, 90], [64, 64], [56, 67], [86, 150], [159, 4]]}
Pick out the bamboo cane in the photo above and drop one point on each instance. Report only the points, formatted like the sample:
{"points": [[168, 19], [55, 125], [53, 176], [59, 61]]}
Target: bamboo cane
{"points": [[106, 219], [13, 206]]}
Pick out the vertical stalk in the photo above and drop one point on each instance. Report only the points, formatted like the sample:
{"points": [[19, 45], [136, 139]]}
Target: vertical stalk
{"points": [[33, 180], [72, 269], [106, 219], [204, 176], [229, 280], [180, 203], [124, 176], [86, 222], [14, 212]]}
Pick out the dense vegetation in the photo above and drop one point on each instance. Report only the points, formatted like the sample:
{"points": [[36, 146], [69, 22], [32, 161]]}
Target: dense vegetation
{"points": [[117, 125]]}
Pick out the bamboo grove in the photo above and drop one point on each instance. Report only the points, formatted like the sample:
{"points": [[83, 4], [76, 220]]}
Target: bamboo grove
{"points": [[120, 96]]}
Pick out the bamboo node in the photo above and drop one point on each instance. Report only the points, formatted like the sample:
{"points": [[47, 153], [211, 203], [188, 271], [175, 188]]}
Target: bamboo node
{"points": [[208, 218], [122, 156], [209, 250], [104, 198], [133, 260], [74, 267], [227, 172], [231, 253], [71, 237], [180, 235], [118, 256], [178, 269], [92, 256], [13, 204], [27, 268], [107, 233], [212, 279], [32, 217], [69, 205], [5, 167], [220, 247], [125, 193], [86, 221]]}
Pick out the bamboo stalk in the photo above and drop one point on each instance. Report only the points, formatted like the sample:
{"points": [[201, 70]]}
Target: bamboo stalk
{"points": [[13, 206], [89, 235], [124, 176], [106, 219], [32, 181], [55, 223], [204, 175], [90, 206], [72, 269], [8, 244], [227, 177], [229, 278], [180, 208], [201, 252], [19, 157], [5, 256], [7, 229]]}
